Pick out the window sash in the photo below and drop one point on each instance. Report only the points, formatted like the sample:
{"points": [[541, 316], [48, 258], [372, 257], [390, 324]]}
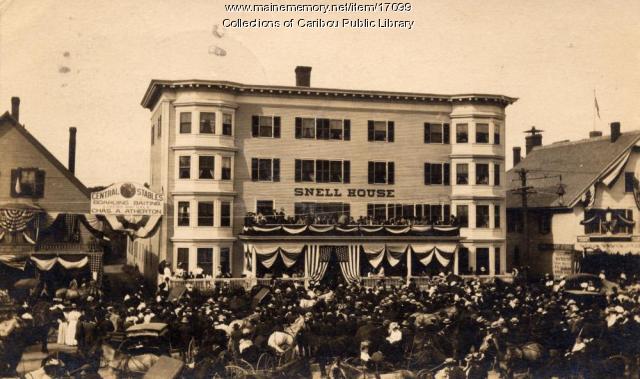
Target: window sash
{"points": [[226, 168], [436, 133], [462, 173], [183, 257], [185, 122], [482, 216], [336, 129], [183, 213], [379, 130], [462, 214], [380, 172], [205, 260], [496, 217], [265, 171], [207, 122], [482, 133], [265, 126], [225, 214], [205, 213], [462, 133], [227, 124], [206, 164], [308, 170], [482, 173], [184, 167]]}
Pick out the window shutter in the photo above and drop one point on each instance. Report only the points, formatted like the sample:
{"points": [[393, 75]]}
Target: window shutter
{"points": [[370, 130], [390, 131], [346, 171], [15, 174], [255, 126], [371, 172], [276, 170], [427, 174], [445, 133], [390, 173], [39, 190], [347, 130], [254, 169], [298, 169], [276, 127], [446, 174], [427, 132], [298, 127]]}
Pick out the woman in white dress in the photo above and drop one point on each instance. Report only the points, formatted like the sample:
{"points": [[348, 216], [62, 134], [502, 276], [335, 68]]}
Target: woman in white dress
{"points": [[62, 328], [72, 317]]}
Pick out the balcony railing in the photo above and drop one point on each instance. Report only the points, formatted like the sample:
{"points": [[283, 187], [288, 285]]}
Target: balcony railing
{"points": [[69, 247]]}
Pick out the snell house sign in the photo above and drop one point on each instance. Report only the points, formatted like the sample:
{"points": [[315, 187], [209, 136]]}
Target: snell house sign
{"points": [[349, 192], [127, 199]]}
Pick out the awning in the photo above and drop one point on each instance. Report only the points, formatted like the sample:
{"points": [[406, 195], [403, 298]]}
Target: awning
{"points": [[622, 248]]}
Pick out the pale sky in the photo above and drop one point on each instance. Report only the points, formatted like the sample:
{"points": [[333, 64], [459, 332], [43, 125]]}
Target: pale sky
{"points": [[87, 64]]}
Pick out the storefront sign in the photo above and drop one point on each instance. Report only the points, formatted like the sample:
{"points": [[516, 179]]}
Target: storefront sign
{"points": [[350, 192], [127, 199], [563, 263]]}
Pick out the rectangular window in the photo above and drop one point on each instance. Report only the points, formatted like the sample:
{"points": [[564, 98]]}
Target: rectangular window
{"points": [[225, 214], [482, 133], [377, 212], [205, 213], [264, 207], [183, 213], [225, 261], [482, 173], [482, 216], [436, 173], [462, 133], [226, 168], [323, 129], [184, 167], [381, 172], [336, 129], [265, 170], [436, 133], [327, 171], [498, 268], [183, 258], [265, 126], [304, 170], [308, 128], [496, 175], [205, 166], [462, 173], [544, 223], [326, 212], [27, 182], [482, 261], [159, 127], [185, 122], [496, 217], [496, 134], [380, 131], [205, 260], [207, 122], [227, 124], [629, 181], [462, 214]]}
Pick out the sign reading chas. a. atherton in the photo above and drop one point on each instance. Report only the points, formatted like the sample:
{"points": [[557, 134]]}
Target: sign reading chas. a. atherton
{"points": [[127, 199]]}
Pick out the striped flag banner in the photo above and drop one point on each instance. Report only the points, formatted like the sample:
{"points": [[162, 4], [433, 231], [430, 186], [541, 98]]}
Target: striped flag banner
{"points": [[349, 258], [316, 261]]}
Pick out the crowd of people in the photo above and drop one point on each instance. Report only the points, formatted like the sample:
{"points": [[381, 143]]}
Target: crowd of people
{"points": [[447, 324], [333, 218]]}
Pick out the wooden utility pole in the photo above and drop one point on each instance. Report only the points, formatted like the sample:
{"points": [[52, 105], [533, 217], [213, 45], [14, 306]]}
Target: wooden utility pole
{"points": [[524, 191]]}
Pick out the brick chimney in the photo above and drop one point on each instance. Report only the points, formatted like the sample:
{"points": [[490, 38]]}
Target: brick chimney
{"points": [[516, 155], [15, 108], [303, 76], [615, 131], [595, 134], [72, 150], [533, 139]]}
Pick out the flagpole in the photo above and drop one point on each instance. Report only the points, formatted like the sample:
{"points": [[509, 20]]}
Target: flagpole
{"points": [[594, 110]]}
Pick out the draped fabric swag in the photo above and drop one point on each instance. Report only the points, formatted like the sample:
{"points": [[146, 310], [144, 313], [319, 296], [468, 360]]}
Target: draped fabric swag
{"points": [[15, 261], [16, 220], [426, 252], [391, 229], [46, 264], [374, 253]]}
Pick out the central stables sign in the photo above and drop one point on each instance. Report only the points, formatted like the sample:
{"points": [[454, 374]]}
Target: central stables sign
{"points": [[351, 192]]}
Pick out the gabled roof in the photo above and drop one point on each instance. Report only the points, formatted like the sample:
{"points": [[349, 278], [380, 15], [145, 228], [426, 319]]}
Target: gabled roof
{"points": [[7, 118], [580, 163], [156, 85]]}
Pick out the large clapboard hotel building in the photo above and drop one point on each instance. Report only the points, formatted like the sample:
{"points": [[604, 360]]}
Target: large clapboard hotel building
{"points": [[396, 165]]}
